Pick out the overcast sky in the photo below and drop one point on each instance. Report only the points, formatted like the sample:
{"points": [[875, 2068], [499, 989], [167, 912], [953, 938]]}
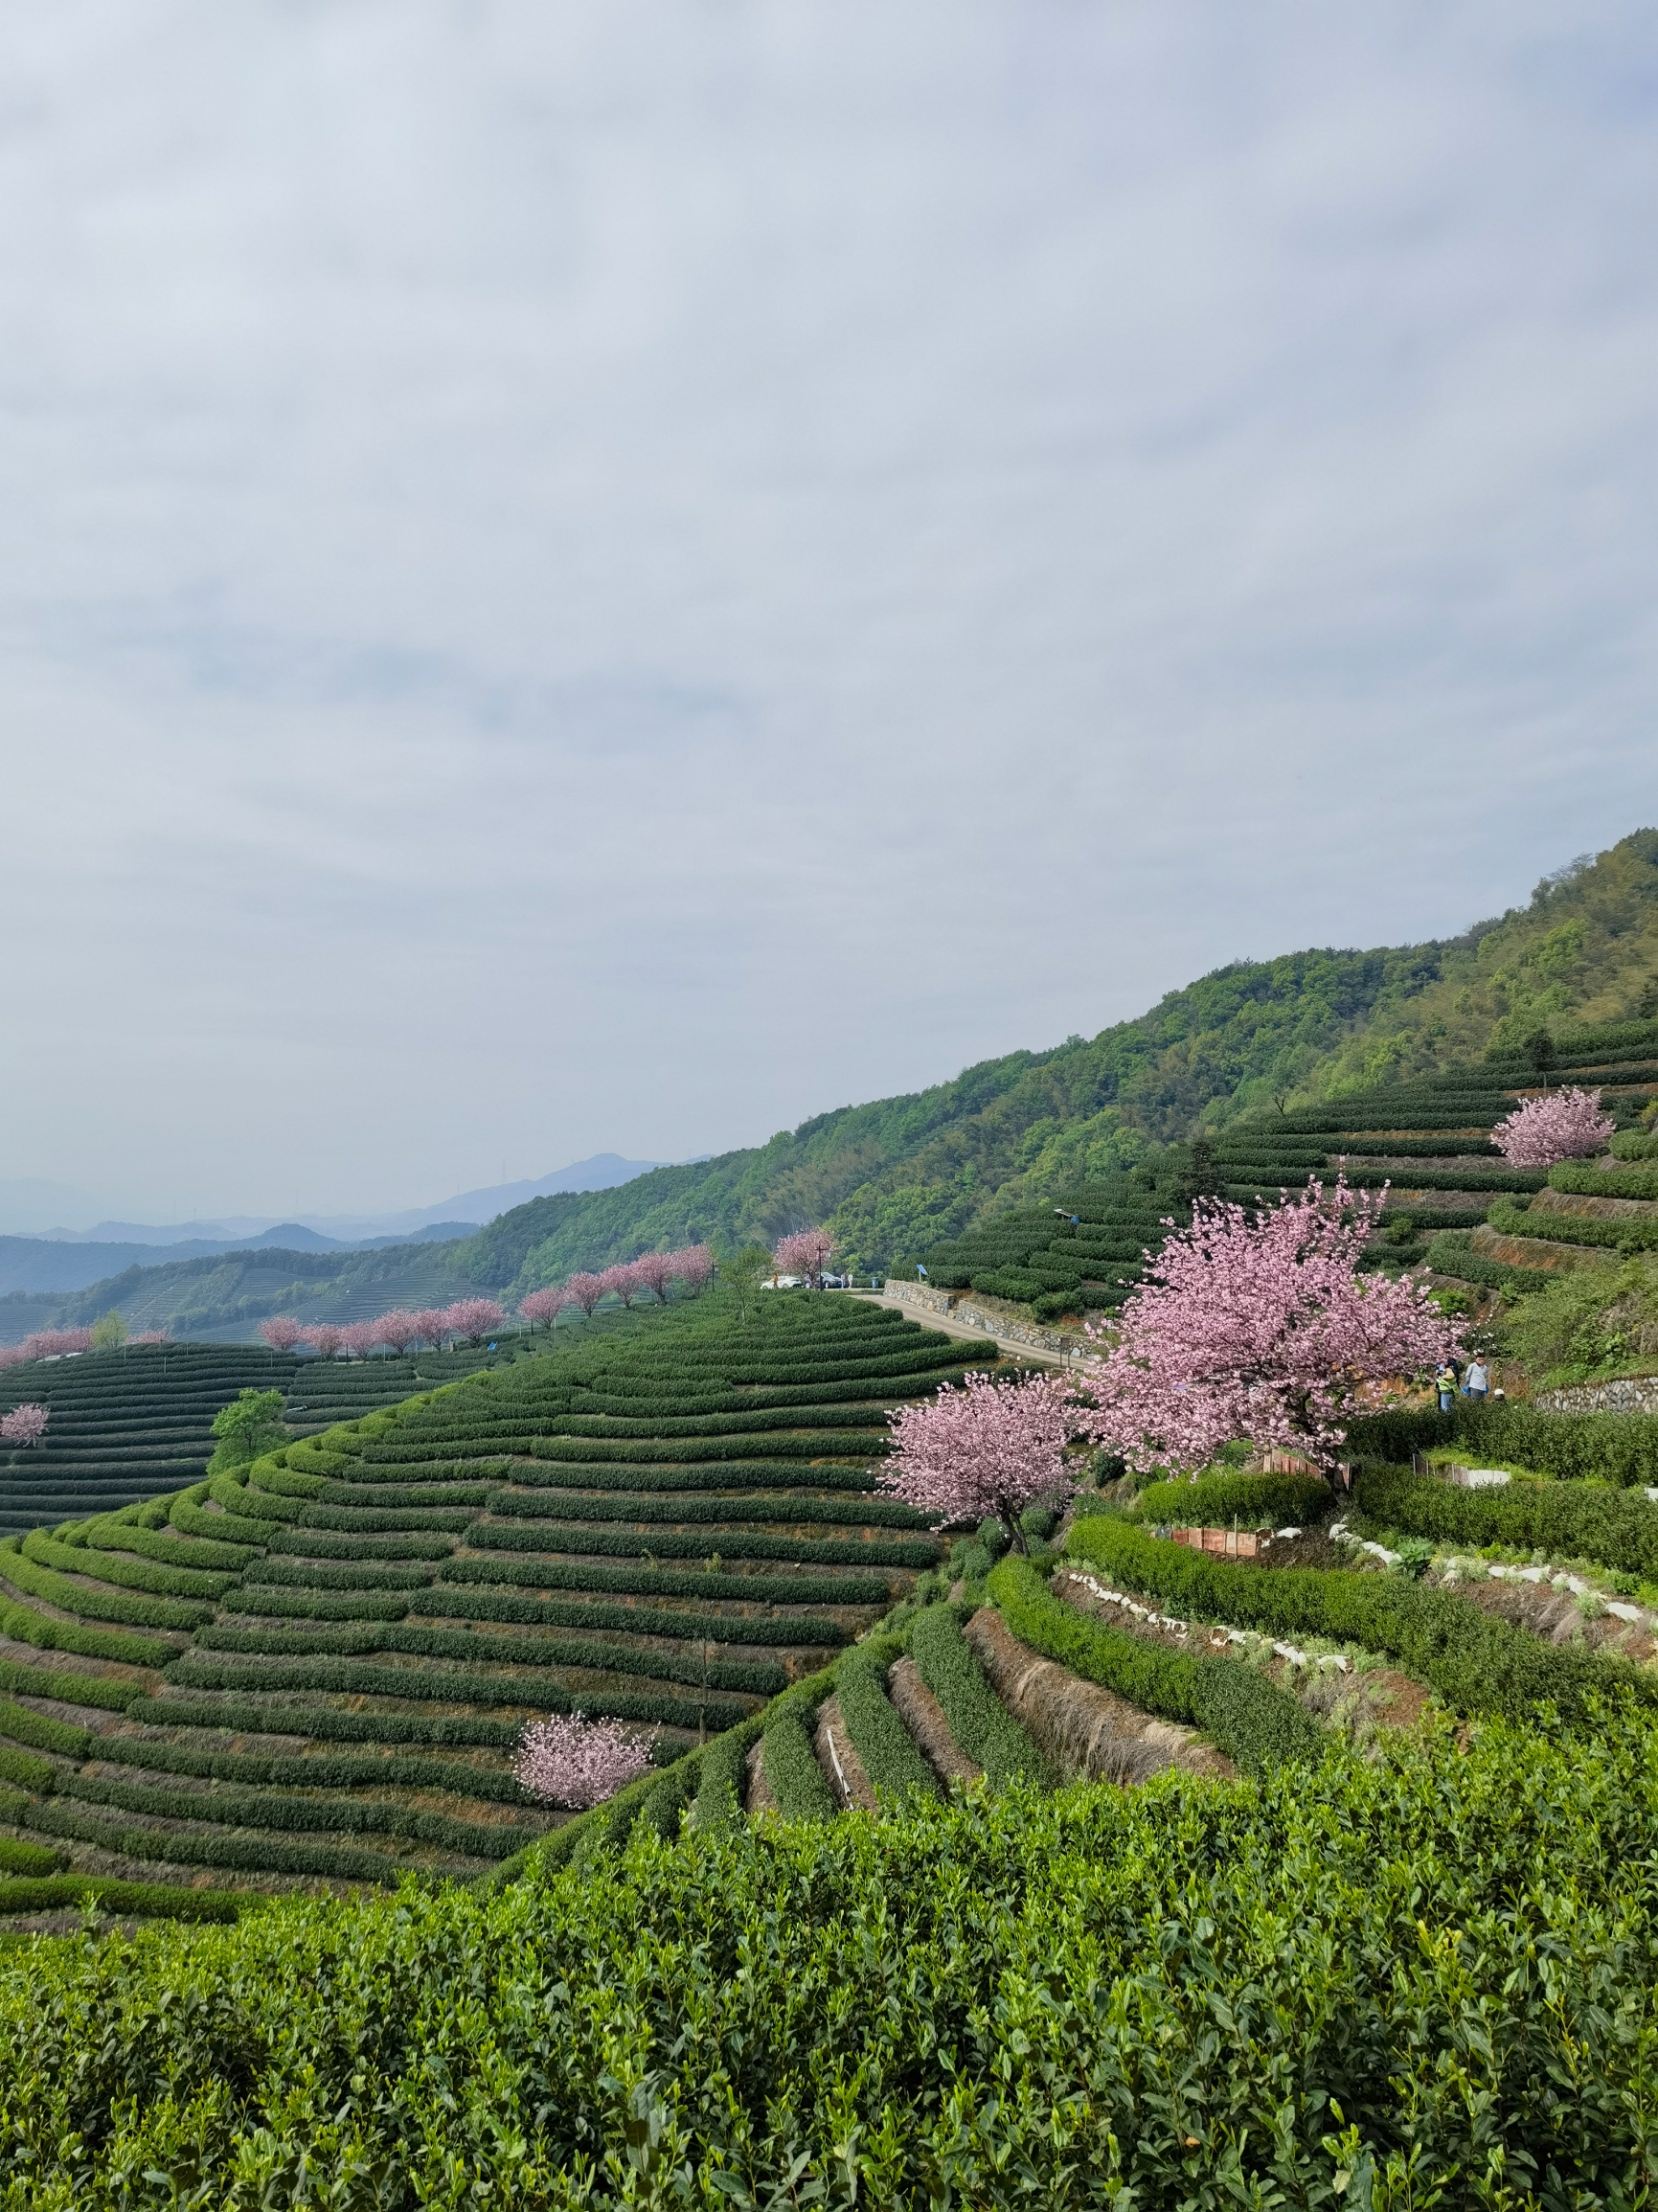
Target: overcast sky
{"points": [[586, 578]]}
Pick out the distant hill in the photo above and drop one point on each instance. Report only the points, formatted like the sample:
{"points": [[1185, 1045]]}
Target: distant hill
{"points": [[600, 1172], [43, 1264]]}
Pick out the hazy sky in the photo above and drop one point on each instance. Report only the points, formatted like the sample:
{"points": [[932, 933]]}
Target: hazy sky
{"points": [[589, 577]]}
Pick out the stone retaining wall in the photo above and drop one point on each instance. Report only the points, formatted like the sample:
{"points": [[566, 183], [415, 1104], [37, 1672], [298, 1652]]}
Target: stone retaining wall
{"points": [[1632, 1394], [986, 1315]]}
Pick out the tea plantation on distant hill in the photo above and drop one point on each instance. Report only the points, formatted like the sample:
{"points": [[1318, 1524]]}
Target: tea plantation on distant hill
{"points": [[1429, 1141], [128, 1424]]}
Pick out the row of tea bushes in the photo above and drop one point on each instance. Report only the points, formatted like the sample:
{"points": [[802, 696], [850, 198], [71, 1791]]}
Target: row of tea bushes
{"points": [[1615, 1528], [1479, 1665], [431, 1577]]}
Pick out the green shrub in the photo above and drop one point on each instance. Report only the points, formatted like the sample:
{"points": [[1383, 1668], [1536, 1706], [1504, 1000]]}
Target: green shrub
{"points": [[98, 1602], [352, 1519], [368, 1575], [327, 1724], [25, 1771], [68, 1689], [1241, 1500], [178, 1582], [25, 1859], [1452, 1254], [1635, 1145], [452, 1686], [269, 1602], [476, 1603], [41, 1731], [1590, 1181], [1254, 1722], [241, 1500], [1477, 1664], [880, 1737], [1626, 1234], [24, 1626], [869, 1444], [915, 1552], [171, 1550], [760, 1588], [791, 1768], [746, 1475], [1619, 1528], [249, 1854], [316, 1544], [755, 1677], [228, 1527], [266, 1809], [139, 1900], [1616, 1448], [724, 1771], [979, 1723], [344, 1770]]}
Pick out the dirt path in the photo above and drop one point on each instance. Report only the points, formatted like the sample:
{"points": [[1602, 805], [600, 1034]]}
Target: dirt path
{"points": [[948, 1326]]}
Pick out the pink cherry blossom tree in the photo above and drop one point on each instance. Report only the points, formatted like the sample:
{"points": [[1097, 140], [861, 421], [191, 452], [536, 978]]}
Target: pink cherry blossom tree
{"points": [[48, 1344], [1261, 1328], [474, 1317], [24, 1424], [580, 1763], [429, 1325], [282, 1332], [357, 1338], [327, 1338], [585, 1291], [544, 1306], [988, 1447], [806, 1253], [694, 1266], [655, 1271], [397, 1328], [622, 1280], [1563, 1125]]}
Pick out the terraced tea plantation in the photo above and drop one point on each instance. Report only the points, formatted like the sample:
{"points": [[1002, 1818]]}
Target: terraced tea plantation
{"points": [[318, 1669], [1455, 1203], [135, 1422]]}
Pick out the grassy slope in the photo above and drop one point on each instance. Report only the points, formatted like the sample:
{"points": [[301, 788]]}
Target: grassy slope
{"points": [[900, 1175]]}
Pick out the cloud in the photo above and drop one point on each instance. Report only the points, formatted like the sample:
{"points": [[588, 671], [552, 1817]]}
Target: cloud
{"points": [[579, 579]]}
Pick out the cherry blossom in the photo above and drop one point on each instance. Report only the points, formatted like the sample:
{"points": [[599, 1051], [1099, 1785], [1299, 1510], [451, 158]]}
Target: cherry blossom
{"points": [[1563, 1125], [1260, 1328], [544, 1306], [693, 1264], [580, 1763], [654, 1272], [282, 1332], [24, 1424], [806, 1253], [988, 1447]]}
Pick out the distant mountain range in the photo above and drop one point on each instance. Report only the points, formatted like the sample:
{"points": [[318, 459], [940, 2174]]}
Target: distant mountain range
{"points": [[68, 1259], [21, 1211]]}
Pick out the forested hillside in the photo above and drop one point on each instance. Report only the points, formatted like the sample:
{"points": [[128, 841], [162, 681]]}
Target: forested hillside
{"points": [[898, 1175], [901, 1175]]}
